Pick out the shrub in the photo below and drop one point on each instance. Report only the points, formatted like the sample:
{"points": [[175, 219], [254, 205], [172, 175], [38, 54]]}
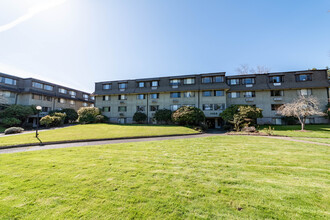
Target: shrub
{"points": [[163, 116], [241, 115], [290, 120], [19, 112], [139, 117], [47, 121], [59, 118], [99, 118], [14, 130], [71, 115], [53, 121], [188, 115], [88, 115], [327, 111], [10, 122]]}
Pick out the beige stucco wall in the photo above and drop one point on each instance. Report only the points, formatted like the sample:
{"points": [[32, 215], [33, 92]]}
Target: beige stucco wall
{"points": [[164, 101]]}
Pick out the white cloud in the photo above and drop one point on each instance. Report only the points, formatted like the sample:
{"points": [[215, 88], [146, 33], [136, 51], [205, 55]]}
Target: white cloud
{"points": [[43, 6]]}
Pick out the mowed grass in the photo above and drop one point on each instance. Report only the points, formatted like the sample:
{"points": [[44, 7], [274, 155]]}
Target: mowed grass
{"points": [[95, 131], [227, 177], [313, 131]]}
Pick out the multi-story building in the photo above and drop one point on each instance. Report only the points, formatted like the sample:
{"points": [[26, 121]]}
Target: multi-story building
{"points": [[211, 92], [30, 91]]}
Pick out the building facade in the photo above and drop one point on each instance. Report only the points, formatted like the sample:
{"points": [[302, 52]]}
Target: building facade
{"points": [[30, 91], [212, 93]]}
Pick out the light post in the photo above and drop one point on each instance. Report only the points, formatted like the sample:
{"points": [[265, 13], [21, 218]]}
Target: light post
{"points": [[38, 111]]}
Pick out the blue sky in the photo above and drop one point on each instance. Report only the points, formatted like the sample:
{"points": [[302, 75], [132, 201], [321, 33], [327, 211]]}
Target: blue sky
{"points": [[79, 42]]}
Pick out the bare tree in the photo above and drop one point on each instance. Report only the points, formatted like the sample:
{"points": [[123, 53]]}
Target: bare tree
{"points": [[243, 69], [301, 108], [260, 70]]}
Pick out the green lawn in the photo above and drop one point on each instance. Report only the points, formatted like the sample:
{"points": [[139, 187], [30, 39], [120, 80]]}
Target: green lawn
{"points": [[228, 177], [95, 131], [313, 131]]}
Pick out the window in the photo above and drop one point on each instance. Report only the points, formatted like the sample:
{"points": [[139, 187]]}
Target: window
{"points": [[154, 83], [8, 94], [106, 98], [249, 94], [277, 121], [207, 93], [175, 107], [175, 95], [122, 108], [106, 86], [121, 120], [189, 81], [275, 106], [61, 90], [219, 93], [122, 85], [175, 82], [303, 77], [189, 105], [218, 79], [140, 108], [73, 93], [219, 106], [207, 107], [122, 97], [154, 108], [46, 109], [248, 81], [85, 104], [233, 81], [188, 94], [276, 79], [47, 98], [206, 79], [141, 84], [106, 109], [72, 102], [276, 93], [48, 87], [37, 85], [36, 97], [234, 95], [61, 100], [8, 81], [85, 96], [154, 95], [140, 96], [304, 92]]}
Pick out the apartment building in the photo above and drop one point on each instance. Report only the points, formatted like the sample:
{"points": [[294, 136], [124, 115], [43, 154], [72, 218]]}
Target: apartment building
{"points": [[50, 96], [212, 93]]}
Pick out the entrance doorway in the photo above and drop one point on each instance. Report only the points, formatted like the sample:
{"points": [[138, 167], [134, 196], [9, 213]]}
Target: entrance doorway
{"points": [[214, 123]]}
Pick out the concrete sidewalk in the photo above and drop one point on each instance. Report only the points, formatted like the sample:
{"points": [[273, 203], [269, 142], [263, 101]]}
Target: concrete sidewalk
{"points": [[89, 143]]}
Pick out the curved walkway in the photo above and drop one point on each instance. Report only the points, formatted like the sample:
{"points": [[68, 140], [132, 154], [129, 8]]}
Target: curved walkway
{"points": [[89, 143]]}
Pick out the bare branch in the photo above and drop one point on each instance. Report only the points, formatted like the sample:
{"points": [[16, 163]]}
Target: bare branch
{"points": [[243, 69], [301, 108]]}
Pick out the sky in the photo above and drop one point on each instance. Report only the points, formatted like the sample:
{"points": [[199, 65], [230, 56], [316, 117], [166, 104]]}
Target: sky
{"points": [[79, 42]]}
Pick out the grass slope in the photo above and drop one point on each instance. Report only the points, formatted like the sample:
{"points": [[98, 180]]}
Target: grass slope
{"points": [[95, 131], [216, 177], [315, 131]]}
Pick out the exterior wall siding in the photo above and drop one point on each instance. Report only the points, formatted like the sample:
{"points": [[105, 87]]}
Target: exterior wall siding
{"points": [[262, 88]]}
